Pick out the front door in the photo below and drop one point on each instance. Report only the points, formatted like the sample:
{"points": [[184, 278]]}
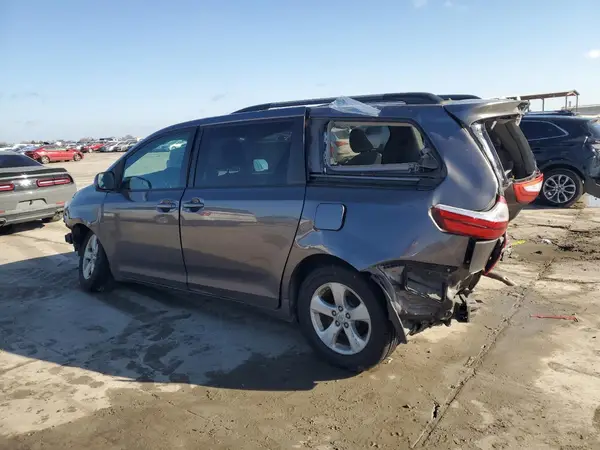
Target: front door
{"points": [[54, 152], [239, 219], [142, 218]]}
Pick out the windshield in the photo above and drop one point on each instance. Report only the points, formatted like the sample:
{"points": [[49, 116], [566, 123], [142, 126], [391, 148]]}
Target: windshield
{"points": [[7, 161]]}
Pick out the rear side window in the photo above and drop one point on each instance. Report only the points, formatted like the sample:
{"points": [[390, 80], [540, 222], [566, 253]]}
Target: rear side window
{"points": [[375, 147], [7, 161], [533, 129], [249, 155]]}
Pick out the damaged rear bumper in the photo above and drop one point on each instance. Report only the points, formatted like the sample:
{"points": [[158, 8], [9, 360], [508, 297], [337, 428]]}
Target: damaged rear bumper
{"points": [[423, 295]]}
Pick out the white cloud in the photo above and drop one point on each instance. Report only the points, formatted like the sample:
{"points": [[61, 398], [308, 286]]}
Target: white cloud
{"points": [[419, 3], [593, 54]]}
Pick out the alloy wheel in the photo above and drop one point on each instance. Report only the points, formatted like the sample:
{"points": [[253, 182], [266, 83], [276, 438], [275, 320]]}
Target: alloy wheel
{"points": [[559, 189], [340, 318], [90, 254]]}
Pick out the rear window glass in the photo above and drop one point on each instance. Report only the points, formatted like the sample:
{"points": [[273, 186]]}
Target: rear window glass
{"points": [[507, 148], [7, 161], [595, 129], [378, 147], [540, 130]]}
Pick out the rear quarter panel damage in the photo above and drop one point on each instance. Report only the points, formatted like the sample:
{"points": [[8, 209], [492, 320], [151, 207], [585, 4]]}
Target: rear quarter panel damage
{"points": [[390, 226]]}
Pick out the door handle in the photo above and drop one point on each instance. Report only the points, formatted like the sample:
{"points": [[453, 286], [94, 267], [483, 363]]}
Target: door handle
{"points": [[194, 205], [167, 206]]}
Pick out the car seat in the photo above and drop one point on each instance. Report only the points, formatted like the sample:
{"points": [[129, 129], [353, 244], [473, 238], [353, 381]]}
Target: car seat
{"points": [[402, 147], [360, 143]]}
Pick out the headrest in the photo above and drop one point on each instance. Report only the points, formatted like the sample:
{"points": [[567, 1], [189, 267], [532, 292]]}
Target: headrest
{"points": [[359, 142]]}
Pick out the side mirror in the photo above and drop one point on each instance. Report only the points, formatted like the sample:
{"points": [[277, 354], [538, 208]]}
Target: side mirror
{"points": [[105, 181]]}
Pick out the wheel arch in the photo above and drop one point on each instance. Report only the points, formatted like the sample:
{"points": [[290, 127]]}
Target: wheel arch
{"points": [[80, 231], [563, 165], [312, 262], [304, 268]]}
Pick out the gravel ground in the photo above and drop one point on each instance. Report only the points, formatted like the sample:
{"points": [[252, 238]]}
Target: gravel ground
{"points": [[141, 368]]}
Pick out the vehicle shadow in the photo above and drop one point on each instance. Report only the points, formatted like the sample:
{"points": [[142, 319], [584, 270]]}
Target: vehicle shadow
{"points": [[21, 227], [537, 206], [141, 334]]}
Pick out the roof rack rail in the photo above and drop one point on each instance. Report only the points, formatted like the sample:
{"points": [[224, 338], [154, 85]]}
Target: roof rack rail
{"points": [[459, 97], [410, 98]]}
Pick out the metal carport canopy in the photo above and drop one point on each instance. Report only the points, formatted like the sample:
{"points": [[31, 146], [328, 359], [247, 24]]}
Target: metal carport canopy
{"points": [[542, 97]]}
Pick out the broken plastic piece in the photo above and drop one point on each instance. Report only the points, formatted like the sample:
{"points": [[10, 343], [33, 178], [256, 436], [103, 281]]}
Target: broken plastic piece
{"points": [[543, 316], [495, 276], [351, 106]]}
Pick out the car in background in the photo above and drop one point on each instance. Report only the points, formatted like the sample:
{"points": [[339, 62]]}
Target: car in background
{"points": [[20, 147], [27, 148], [126, 145], [30, 191], [567, 150], [92, 147], [111, 146], [363, 251], [121, 146], [53, 153]]}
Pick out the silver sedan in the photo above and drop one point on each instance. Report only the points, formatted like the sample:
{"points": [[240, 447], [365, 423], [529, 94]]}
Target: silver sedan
{"points": [[30, 191]]}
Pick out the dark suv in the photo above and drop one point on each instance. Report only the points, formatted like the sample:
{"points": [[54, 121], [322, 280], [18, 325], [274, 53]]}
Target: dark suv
{"points": [[567, 150], [366, 219]]}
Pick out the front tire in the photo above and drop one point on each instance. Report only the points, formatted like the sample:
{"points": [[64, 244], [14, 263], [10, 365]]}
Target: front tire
{"points": [[76, 157], [562, 188], [94, 270], [44, 160], [344, 318]]}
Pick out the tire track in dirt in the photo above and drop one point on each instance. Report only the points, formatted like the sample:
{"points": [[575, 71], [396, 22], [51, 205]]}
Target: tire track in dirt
{"points": [[473, 364], [35, 268]]}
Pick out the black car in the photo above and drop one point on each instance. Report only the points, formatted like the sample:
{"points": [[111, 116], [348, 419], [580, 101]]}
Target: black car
{"points": [[567, 151]]}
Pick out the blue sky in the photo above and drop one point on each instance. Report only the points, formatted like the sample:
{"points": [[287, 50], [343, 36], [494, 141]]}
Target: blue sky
{"points": [[73, 68]]}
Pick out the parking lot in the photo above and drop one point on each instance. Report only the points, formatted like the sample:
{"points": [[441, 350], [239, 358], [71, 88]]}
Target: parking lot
{"points": [[142, 368]]}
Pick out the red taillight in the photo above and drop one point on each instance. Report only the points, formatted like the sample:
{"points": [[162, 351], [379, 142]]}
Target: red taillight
{"points": [[490, 224], [63, 180], [527, 191], [5, 187], [45, 182]]}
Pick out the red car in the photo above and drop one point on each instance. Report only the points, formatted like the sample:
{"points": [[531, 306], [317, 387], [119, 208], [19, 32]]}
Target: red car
{"points": [[93, 147], [49, 153]]}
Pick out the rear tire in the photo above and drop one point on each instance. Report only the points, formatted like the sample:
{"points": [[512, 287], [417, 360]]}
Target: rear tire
{"points": [[562, 188], [331, 303], [44, 160], [76, 157], [94, 269], [6, 229], [55, 218]]}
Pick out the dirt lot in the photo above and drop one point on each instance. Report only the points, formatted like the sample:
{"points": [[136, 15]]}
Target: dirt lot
{"points": [[143, 369]]}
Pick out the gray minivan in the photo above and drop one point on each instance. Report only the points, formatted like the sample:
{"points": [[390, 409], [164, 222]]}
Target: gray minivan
{"points": [[362, 246]]}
